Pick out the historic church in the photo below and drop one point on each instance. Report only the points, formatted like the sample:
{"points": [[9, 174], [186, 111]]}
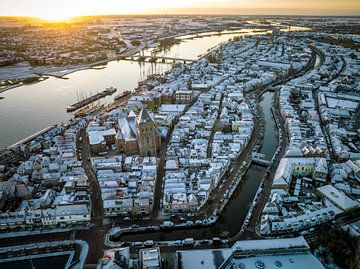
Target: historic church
{"points": [[138, 134]]}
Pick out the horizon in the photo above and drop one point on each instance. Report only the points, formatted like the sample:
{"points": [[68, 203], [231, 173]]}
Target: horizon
{"points": [[70, 9], [216, 134], [86, 16]]}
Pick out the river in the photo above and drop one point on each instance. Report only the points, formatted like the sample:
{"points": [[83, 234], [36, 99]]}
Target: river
{"points": [[30, 108]]}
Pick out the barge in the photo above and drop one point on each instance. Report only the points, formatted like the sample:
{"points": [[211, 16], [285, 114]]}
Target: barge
{"points": [[122, 95], [88, 110], [89, 100]]}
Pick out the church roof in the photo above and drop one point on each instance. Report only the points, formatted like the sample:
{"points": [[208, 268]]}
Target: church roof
{"points": [[126, 128], [144, 116], [132, 114]]}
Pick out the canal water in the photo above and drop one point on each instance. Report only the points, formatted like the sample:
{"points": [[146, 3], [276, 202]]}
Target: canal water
{"points": [[53, 262], [30, 108], [229, 222], [270, 139], [232, 218], [194, 46]]}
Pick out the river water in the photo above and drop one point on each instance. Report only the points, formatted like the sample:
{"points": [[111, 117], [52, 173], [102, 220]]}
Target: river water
{"points": [[30, 108]]}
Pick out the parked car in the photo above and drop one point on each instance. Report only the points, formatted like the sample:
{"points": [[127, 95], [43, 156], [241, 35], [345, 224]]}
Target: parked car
{"points": [[149, 243]]}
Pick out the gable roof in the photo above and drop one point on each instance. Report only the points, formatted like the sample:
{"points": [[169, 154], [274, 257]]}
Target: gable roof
{"points": [[144, 117]]}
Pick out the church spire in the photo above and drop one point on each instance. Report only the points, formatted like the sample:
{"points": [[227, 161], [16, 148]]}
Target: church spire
{"points": [[144, 117]]}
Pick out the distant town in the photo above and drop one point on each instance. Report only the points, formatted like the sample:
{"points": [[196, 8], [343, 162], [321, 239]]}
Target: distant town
{"points": [[246, 157]]}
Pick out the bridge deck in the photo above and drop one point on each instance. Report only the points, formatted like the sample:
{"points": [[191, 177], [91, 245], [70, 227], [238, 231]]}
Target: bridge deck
{"points": [[145, 57], [260, 161]]}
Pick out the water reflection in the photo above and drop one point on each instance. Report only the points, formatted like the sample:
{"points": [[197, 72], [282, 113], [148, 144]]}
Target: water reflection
{"points": [[230, 221], [29, 108], [270, 131], [192, 46]]}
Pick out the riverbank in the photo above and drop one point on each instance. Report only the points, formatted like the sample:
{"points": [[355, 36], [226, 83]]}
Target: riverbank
{"points": [[50, 98], [43, 72], [227, 220], [23, 81], [240, 223], [62, 71]]}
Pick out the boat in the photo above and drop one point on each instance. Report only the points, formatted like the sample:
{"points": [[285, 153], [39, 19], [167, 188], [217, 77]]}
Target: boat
{"points": [[88, 110], [110, 90], [89, 100], [119, 96]]}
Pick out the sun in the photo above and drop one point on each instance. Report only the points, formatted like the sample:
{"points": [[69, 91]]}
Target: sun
{"points": [[56, 17], [57, 13]]}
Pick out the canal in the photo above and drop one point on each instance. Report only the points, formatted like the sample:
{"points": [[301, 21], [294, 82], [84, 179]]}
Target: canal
{"points": [[270, 139], [232, 218], [55, 262], [28, 108]]}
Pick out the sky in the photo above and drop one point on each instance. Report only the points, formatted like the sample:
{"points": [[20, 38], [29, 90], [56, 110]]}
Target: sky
{"points": [[65, 9]]}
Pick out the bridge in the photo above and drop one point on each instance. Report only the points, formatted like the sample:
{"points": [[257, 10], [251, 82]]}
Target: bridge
{"points": [[158, 59], [258, 158]]}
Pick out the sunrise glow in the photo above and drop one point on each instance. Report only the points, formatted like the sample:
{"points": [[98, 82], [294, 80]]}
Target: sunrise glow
{"points": [[66, 9]]}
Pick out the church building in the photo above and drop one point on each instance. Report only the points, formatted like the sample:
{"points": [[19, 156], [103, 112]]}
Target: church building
{"points": [[138, 134]]}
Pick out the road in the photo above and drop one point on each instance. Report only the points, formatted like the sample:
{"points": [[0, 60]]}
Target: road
{"points": [[84, 152], [227, 180], [215, 128], [340, 221], [94, 236], [263, 198], [250, 232], [316, 100], [158, 193]]}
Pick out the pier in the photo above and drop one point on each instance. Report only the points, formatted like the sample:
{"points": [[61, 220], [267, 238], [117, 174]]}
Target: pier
{"points": [[89, 100], [158, 59]]}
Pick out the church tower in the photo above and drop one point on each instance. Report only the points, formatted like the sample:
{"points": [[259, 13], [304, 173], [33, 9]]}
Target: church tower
{"points": [[147, 134]]}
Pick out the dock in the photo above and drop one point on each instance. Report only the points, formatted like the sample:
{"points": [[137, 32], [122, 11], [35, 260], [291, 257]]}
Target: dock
{"points": [[89, 100], [158, 59], [121, 95]]}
